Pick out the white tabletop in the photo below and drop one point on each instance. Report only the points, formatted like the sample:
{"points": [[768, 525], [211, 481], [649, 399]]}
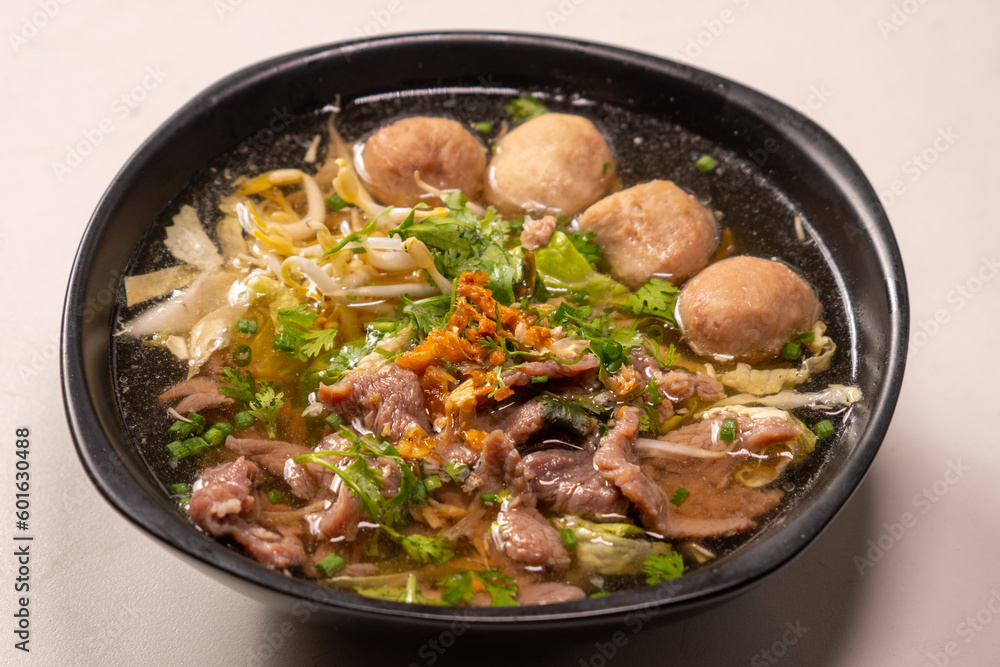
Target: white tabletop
{"points": [[907, 573]]}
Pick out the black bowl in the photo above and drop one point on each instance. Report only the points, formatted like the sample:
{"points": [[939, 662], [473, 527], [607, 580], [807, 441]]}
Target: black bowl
{"points": [[807, 167]]}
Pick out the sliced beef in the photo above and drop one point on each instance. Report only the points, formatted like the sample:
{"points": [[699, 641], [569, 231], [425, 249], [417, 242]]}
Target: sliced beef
{"points": [[708, 389], [498, 461], [272, 455], [277, 457], [270, 549], [524, 421], [615, 460], [521, 376], [524, 534], [536, 233], [456, 450], [677, 385], [549, 592], [713, 497], [341, 517], [388, 401], [222, 503], [199, 393], [223, 491], [527, 538], [566, 482], [752, 434]]}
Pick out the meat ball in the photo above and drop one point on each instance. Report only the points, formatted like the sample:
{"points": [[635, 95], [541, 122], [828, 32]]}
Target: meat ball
{"points": [[652, 229], [446, 154], [745, 309], [555, 164]]}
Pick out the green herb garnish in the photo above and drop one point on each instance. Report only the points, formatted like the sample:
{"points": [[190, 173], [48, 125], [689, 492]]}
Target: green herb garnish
{"points": [[331, 564], [823, 429], [524, 107], [706, 163], [727, 431], [662, 567], [680, 495], [656, 298]]}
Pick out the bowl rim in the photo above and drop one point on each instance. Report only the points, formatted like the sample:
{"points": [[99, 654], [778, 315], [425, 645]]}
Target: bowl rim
{"points": [[118, 485]]}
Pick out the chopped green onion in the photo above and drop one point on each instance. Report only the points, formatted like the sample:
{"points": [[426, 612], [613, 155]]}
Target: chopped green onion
{"points": [[246, 327], [568, 538], [181, 449], [180, 429], [284, 342], [383, 326], [538, 379], [494, 497], [791, 351], [805, 337], [483, 126], [604, 169], [242, 355], [706, 163], [198, 421], [680, 495], [457, 470], [654, 332], [728, 430], [243, 420], [219, 432], [335, 202], [334, 421], [277, 499], [432, 483], [177, 449], [180, 489], [599, 594], [823, 429], [654, 393], [331, 564]]}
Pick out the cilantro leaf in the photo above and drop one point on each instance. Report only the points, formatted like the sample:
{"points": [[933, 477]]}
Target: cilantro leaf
{"points": [[261, 400], [464, 242], [244, 386], [423, 549], [348, 358], [301, 316], [656, 298], [501, 588], [524, 107], [425, 314], [265, 407], [319, 341], [296, 336], [457, 587], [662, 567]]}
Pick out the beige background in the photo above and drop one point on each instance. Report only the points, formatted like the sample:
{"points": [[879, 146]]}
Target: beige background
{"points": [[909, 87]]}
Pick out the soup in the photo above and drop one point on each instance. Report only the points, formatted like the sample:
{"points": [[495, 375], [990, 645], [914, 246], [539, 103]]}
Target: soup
{"points": [[483, 352]]}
